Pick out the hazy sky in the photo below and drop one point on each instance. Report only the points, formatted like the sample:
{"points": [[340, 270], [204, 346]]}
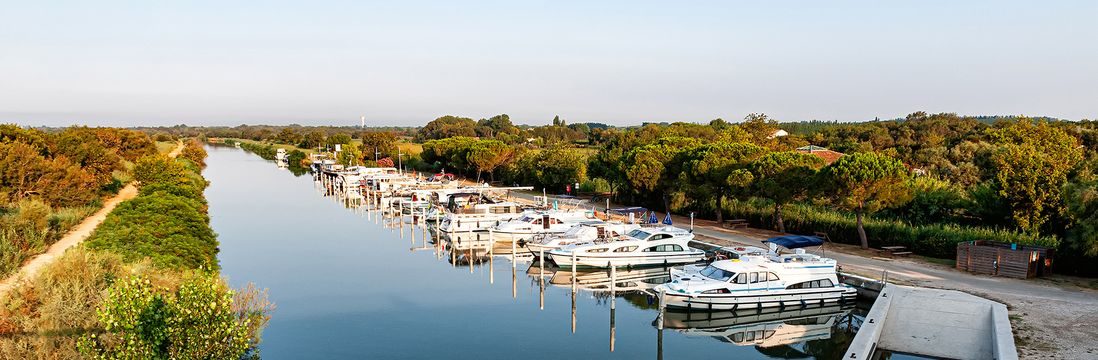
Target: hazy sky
{"points": [[404, 63]]}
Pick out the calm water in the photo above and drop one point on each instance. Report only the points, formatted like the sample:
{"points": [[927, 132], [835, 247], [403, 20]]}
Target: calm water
{"points": [[346, 287]]}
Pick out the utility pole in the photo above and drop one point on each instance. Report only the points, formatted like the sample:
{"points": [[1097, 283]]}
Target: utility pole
{"points": [[400, 162], [376, 153]]}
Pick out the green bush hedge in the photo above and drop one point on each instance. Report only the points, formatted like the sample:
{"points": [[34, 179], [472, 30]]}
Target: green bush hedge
{"points": [[935, 240], [166, 222]]}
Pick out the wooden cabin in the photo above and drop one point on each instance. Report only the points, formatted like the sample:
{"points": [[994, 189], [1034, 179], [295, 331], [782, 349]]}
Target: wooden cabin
{"points": [[1004, 259]]}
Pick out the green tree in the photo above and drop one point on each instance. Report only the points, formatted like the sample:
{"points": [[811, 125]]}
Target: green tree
{"points": [[1082, 210], [715, 170], [447, 126], [339, 139], [865, 183], [1031, 168], [651, 168], [383, 142], [312, 140], [350, 156], [556, 167], [487, 155], [289, 136], [784, 177]]}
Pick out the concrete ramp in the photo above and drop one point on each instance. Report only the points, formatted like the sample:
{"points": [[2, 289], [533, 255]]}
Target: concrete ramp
{"points": [[938, 323]]}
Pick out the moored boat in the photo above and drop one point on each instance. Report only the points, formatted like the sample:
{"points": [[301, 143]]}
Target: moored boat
{"points": [[584, 232], [646, 246], [759, 281]]}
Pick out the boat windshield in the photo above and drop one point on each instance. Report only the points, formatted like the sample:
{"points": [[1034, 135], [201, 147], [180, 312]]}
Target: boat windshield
{"points": [[639, 234], [716, 274], [526, 218]]}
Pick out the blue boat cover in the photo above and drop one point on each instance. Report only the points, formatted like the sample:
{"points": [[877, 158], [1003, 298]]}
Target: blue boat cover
{"points": [[795, 241]]}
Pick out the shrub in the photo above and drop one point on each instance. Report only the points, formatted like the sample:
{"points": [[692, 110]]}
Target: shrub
{"points": [[196, 321], [194, 151], [936, 240], [595, 185]]}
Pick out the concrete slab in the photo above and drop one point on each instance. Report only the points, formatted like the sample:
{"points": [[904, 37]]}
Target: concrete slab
{"points": [[933, 322]]}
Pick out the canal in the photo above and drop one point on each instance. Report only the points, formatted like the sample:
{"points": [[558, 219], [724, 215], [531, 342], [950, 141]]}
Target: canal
{"points": [[348, 286]]}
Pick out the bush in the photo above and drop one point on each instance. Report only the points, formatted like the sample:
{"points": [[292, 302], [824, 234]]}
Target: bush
{"points": [[935, 240], [194, 151], [29, 226], [166, 222], [595, 185], [196, 321]]}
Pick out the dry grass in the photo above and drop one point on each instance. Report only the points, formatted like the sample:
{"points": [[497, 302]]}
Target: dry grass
{"points": [[165, 147]]}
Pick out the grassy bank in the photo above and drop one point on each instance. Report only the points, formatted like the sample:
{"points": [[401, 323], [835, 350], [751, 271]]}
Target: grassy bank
{"points": [[935, 240], [144, 285]]}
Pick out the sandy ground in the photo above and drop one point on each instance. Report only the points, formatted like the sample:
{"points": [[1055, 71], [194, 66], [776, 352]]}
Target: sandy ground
{"points": [[73, 237], [1052, 318]]}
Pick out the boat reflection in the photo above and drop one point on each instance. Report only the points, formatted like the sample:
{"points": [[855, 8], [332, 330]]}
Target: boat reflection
{"points": [[774, 330], [625, 280]]}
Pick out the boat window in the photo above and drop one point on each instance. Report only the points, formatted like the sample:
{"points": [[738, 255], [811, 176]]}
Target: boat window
{"points": [[717, 291], [715, 273], [598, 250], [741, 278], [626, 249], [639, 234], [652, 249], [826, 283], [537, 222], [675, 248], [773, 277], [660, 237], [554, 221], [753, 277]]}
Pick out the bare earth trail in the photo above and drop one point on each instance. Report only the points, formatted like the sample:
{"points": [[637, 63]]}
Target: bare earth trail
{"points": [[1051, 320], [75, 236]]}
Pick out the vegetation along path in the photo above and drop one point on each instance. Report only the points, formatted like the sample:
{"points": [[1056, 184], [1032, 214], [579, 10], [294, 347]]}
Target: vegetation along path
{"points": [[75, 236]]}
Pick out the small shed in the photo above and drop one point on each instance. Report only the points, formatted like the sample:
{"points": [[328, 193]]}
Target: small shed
{"points": [[1004, 259]]}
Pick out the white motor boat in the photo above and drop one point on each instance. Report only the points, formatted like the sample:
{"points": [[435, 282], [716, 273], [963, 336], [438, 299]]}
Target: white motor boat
{"points": [[543, 222], [479, 217], [584, 232], [646, 246], [759, 281]]}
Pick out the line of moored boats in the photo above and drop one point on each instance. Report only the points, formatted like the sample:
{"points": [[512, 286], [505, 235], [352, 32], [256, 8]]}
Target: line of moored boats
{"points": [[563, 233]]}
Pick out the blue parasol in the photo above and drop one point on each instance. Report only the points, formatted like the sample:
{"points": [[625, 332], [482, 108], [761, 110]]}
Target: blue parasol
{"points": [[652, 219], [667, 219]]}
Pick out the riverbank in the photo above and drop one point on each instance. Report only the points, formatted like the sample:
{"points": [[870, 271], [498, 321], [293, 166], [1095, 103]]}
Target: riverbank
{"points": [[1052, 317], [149, 268], [74, 236]]}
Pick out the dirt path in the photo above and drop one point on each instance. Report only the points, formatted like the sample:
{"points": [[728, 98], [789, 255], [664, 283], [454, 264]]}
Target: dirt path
{"points": [[75, 236]]}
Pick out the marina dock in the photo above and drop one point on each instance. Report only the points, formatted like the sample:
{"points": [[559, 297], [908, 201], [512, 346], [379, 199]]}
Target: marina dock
{"points": [[936, 323]]}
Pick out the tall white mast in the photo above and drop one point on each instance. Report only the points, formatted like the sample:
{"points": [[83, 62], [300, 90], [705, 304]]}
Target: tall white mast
{"points": [[363, 120]]}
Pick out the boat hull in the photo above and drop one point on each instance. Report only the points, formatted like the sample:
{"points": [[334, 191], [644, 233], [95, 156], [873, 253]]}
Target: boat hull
{"points": [[587, 261], [759, 299]]}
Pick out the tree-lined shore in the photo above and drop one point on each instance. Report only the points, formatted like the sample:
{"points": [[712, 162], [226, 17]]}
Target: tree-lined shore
{"points": [[145, 283], [926, 181]]}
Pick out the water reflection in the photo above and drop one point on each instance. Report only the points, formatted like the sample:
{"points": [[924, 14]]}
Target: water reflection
{"points": [[341, 296]]}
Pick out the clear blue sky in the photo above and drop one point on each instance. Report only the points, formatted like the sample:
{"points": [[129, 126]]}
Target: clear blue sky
{"points": [[404, 63]]}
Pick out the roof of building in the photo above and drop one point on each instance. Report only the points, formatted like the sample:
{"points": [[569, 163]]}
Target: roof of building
{"points": [[828, 156]]}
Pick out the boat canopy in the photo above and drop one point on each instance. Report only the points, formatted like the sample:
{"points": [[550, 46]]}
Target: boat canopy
{"points": [[629, 210], [795, 241]]}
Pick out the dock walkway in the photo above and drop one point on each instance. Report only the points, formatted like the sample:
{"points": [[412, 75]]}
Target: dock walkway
{"points": [[934, 322]]}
